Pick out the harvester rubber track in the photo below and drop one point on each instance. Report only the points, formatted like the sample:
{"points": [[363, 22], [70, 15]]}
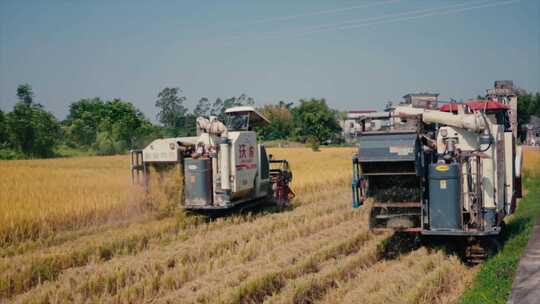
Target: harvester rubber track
{"points": [[477, 251], [475, 254]]}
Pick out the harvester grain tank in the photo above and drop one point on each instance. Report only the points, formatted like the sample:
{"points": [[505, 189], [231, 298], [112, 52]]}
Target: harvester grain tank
{"points": [[223, 167], [453, 172]]}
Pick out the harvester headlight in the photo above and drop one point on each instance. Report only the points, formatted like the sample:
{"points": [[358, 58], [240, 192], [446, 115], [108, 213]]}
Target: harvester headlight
{"points": [[444, 132], [171, 145]]}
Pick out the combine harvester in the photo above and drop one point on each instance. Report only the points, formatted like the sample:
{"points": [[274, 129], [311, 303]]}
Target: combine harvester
{"points": [[223, 167], [452, 173]]}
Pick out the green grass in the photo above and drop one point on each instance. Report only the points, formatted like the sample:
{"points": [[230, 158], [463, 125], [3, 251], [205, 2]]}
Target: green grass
{"points": [[493, 282], [59, 151]]}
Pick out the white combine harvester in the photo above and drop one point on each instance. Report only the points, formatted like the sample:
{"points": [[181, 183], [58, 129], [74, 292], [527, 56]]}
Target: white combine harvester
{"points": [[452, 173], [223, 167]]}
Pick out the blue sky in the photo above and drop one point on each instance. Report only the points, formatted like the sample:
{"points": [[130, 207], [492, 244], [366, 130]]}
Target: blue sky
{"points": [[356, 54]]}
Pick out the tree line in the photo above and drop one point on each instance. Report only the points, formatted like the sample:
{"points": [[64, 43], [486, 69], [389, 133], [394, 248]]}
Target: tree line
{"points": [[528, 105], [107, 127]]}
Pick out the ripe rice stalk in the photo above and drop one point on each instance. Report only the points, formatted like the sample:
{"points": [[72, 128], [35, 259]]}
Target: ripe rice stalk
{"points": [[247, 252], [390, 281], [41, 198], [444, 285], [312, 287], [298, 255], [27, 270], [531, 162], [161, 257], [214, 286], [258, 289], [370, 279], [317, 171], [165, 187]]}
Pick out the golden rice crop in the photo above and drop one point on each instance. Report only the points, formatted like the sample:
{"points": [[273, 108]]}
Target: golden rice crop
{"points": [[531, 161], [319, 250], [317, 171], [40, 197]]}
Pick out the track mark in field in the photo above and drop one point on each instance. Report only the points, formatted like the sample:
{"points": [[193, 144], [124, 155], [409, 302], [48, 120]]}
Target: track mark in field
{"points": [[231, 268], [247, 252], [417, 277], [313, 286], [303, 255], [154, 261], [28, 270], [46, 265], [260, 288]]}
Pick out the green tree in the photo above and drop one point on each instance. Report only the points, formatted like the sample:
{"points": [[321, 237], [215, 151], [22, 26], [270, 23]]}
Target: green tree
{"points": [[32, 130], [83, 120], [219, 106], [281, 121], [3, 129], [25, 94], [105, 124], [313, 118], [284, 104], [189, 127], [528, 105], [171, 107], [202, 108], [128, 123]]}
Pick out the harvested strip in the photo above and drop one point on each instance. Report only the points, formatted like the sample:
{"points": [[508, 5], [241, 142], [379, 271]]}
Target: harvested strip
{"points": [[444, 285], [312, 287], [248, 251], [60, 238], [301, 255], [202, 247], [23, 272], [259, 288], [44, 266], [389, 282], [370, 279], [84, 234], [20, 273]]}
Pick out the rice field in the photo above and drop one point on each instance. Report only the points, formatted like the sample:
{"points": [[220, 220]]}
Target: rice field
{"points": [[531, 161], [76, 231], [41, 197]]}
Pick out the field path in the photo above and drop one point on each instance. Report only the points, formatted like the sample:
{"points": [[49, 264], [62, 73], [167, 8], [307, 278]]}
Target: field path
{"points": [[525, 287]]}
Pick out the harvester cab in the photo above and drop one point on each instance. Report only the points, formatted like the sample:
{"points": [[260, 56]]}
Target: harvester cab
{"points": [[223, 167], [452, 172]]}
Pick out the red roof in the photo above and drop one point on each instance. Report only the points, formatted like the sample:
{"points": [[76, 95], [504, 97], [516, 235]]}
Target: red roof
{"points": [[450, 107], [475, 104]]}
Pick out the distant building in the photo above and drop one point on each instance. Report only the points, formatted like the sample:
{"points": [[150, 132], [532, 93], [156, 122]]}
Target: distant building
{"points": [[533, 131], [501, 88], [350, 125], [421, 100], [504, 92]]}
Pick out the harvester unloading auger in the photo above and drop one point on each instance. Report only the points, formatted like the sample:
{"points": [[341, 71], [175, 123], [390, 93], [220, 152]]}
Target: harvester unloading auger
{"points": [[224, 167], [452, 173]]}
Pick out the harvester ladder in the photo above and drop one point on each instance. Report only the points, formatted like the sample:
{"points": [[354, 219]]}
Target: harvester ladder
{"points": [[138, 169]]}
